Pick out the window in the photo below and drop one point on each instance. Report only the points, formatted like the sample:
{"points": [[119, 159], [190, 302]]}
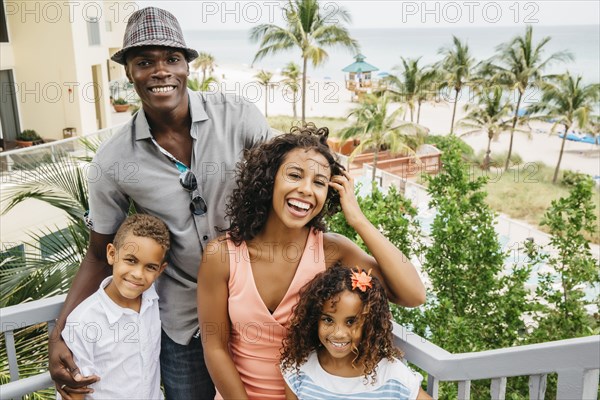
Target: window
{"points": [[52, 243], [3, 28], [9, 111], [93, 28], [17, 255]]}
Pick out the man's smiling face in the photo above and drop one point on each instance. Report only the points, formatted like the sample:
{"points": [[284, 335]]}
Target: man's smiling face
{"points": [[159, 76]]}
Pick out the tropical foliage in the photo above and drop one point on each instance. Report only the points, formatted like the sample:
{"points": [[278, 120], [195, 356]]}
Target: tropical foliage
{"points": [[455, 68], [291, 83], [62, 185], [377, 127], [488, 114], [561, 293], [264, 79], [310, 30], [465, 265], [568, 102], [413, 85], [393, 213], [206, 63], [519, 65], [206, 85]]}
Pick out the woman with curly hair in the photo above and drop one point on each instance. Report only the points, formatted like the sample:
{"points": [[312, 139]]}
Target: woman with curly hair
{"points": [[249, 279], [340, 342]]}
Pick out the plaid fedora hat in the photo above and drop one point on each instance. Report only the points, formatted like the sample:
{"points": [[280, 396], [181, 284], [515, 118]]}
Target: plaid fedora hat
{"points": [[153, 26]]}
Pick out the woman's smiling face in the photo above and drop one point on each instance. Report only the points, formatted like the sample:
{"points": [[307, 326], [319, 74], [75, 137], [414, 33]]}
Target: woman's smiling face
{"points": [[300, 187]]}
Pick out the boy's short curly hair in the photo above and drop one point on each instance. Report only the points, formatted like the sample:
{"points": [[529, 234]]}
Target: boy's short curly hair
{"points": [[143, 225], [303, 338], [248, 206]]}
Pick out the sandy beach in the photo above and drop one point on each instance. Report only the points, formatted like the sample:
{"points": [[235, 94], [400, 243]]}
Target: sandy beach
{"points": [[331, 99]]}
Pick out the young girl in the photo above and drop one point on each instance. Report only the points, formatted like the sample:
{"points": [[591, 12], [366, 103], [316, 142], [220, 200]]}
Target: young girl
{"points": [[249, 280], [340, 344]]}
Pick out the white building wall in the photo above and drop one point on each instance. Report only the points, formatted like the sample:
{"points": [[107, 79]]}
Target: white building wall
{"points": [[52, 62], [7, 57], [43, 68]]}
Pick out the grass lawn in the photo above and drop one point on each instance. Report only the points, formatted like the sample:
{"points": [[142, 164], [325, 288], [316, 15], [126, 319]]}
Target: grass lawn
{"points": [[525, 193]]}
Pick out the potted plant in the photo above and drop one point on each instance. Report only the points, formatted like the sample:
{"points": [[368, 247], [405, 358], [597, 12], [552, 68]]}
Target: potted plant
{"points": [[120, 104], [27, 138]]}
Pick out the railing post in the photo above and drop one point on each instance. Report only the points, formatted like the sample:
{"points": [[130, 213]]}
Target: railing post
{"points": [[498, 388], [433, 386], [590, 384], [464, 390], [577, 384], [11, 352], [537, 387]]}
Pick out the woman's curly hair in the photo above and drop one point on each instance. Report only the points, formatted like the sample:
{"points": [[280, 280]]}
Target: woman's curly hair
{"points": [[303, 338], [251, 200]]}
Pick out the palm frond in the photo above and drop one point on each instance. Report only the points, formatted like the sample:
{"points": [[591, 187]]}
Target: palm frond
{"points": [[62, 185], [307, 29], [48, 268]]}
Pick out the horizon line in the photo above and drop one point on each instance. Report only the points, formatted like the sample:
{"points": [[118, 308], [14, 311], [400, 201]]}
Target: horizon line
{"points": [[417, 27]]}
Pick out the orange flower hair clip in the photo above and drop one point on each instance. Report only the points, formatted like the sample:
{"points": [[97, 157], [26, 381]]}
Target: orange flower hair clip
{"points": [[361, 280]]}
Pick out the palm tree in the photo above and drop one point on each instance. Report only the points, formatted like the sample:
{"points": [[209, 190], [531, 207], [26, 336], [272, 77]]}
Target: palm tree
{"points": [[405, 88], [426, 87], [205, 62], [518, 65], [264, 79], [292, 83], [376, 127], [566, 101], [489, 114], [414, 85], [307, 29], [456, 69], [204, 86]]}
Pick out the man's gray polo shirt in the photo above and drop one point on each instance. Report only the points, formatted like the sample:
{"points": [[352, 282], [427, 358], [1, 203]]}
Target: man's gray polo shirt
{"points": [[130, 166]]}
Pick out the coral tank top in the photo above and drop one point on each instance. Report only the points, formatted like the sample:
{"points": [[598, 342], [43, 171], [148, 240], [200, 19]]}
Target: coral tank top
{"points": [[256, 334]]}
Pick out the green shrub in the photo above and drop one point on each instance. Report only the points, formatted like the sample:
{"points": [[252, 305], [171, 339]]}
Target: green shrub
{"points": [[572, 178], [442, 143], [120, 101], [28, 135]]}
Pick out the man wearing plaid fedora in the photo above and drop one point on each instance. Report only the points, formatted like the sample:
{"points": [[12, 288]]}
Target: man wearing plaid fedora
{"points": [[176, 160]]}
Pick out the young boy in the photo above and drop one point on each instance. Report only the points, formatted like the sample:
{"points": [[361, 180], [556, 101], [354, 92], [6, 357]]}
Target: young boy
{"points": [[115, 333]]}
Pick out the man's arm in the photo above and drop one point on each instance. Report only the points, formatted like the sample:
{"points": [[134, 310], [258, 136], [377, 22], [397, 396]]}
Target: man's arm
{"points": [[93, 269]]}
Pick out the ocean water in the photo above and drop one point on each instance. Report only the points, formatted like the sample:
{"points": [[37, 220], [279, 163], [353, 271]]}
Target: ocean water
{"points": [[384, 47]]}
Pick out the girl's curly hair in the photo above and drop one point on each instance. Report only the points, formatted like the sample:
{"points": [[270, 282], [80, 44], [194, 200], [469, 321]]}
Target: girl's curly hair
{"points": [[377, 338], [249, 205]]}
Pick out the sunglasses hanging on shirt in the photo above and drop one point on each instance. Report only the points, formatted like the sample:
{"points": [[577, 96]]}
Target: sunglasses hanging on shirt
{"points": [[188, 181]]}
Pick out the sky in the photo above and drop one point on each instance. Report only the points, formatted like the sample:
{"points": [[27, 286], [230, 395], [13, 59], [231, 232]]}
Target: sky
{"points": [[244, 14]]}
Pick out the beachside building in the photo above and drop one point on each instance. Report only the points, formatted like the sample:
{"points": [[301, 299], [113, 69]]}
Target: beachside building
{"points": [[54, 79], [359, 79]]}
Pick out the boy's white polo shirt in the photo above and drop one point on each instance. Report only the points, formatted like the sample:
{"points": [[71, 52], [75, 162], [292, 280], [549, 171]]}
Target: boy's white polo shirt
{"points": [[117, 344]]}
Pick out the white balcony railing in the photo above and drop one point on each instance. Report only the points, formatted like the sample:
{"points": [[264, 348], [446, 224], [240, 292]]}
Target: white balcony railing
{"points": [[576, 361], [19, 164]]}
